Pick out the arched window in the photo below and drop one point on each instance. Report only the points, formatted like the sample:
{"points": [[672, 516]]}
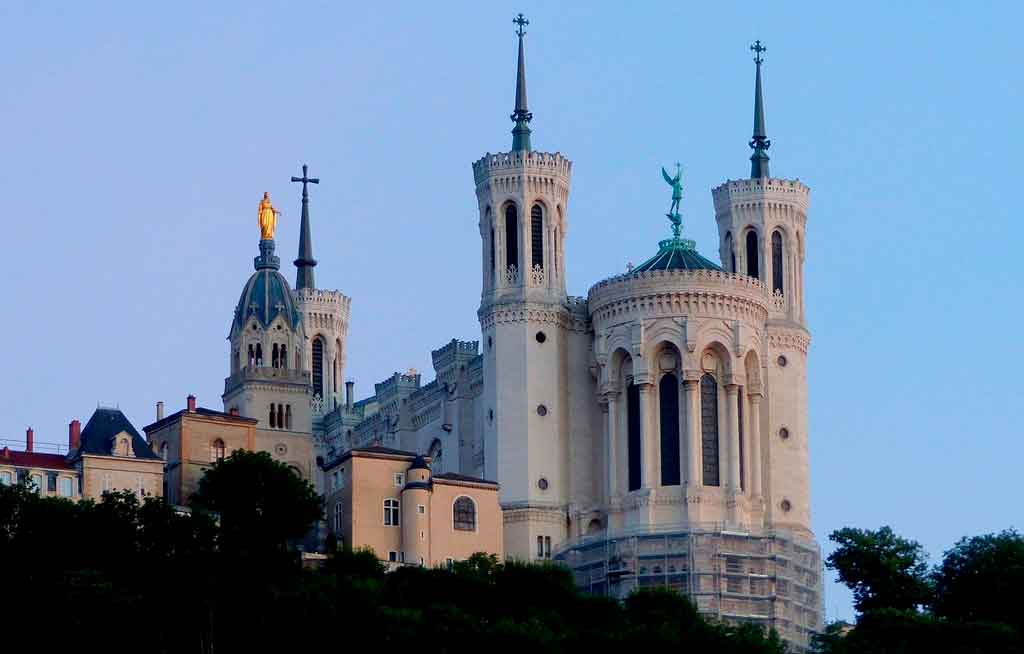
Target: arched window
{"points": [[739, 414], [668, 400], [273, 356], [338, 508], [633, 433], [273, 416], [537, 236], [709, 428], [252, 356], [511, 237], [752, 268], [318, 367], [259, 355], [216, 451], [284, 356], [776, 261], [464, 512], [730, 253], [494, 263], [288, 416], [554, 255], [392, 512]]}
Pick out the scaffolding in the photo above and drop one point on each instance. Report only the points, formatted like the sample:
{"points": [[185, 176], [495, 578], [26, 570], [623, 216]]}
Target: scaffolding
{"points": [[771, 578]]}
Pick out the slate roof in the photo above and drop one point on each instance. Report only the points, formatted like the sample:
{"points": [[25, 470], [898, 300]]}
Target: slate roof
{"points": [[265, 296], [99, 432], [676, 254], [200, 411], [454, 476]]}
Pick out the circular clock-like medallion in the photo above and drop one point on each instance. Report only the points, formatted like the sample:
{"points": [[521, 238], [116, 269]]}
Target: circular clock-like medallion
{"points": [[280, 449]]}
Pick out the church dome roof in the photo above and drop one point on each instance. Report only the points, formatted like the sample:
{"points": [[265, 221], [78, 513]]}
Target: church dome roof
{"points": [[677, 254], [267, 294]]}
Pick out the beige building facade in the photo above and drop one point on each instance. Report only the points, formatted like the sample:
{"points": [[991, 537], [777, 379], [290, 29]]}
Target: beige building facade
{"points": [[389, 501]]}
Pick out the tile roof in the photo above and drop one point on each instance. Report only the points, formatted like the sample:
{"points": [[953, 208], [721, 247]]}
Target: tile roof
{"points": [[454, 476], [34, 460]]}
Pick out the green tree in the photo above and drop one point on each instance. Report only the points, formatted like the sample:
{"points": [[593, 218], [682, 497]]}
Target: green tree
{"points": [[261, 504], [981, 578], [882, 569]]}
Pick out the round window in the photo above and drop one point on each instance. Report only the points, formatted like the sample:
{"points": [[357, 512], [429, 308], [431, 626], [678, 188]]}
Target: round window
{"points": [[785, 505], [783, 433], [542, 410], [542, 483], [541, 337], [782, 361], [281, 449]]}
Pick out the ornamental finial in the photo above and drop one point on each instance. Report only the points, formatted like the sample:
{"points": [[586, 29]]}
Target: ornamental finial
{"points": [[677, 195], [521, 115], [521, 22], [759, 141], [758, 49]]}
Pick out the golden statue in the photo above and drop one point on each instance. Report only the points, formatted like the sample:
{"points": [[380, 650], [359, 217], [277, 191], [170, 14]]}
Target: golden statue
{"points": [[267, 218]]}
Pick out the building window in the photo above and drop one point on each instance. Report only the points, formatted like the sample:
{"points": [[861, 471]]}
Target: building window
{"points": [[318, 367], [739, 414], [288, 416], [107, 485], [217, 451], [633, 434], [392, 513], [449, 563], [67, 488], [337, 517], [163, 451], [543, 547], [6, 478], [464, 514], [273, 416], [730, 255], [393, 557], [283, 361], [537, 236], [422, 510], [37, 483], [259, 355], [540, 547], [273, 356], [399, 479], [668, 400], [511, 238], [776, 261], [252, 356], [709, 428], [752, 268], [494, 264], [51, 482]]}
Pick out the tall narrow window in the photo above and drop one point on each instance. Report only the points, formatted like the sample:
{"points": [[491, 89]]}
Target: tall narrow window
{"points": [[554, 255], [730, 254], [739, 413], [633, 433], [752, 268], [537, 236], [511, 237], [777, 262], [338, 508], [318, 367], [259, 355], [273, 416], [216, 451], [494, 264], [284, 356], [392, 515], [668, 399], [252, 356], [273, 356], [288, 416], [709, 428]]}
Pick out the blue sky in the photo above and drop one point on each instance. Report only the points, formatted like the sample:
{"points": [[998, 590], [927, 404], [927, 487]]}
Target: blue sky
{"points": [[139, 137]]}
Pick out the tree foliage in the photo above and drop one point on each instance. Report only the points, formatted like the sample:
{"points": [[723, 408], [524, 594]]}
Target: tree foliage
{"points": [[882, 569]]}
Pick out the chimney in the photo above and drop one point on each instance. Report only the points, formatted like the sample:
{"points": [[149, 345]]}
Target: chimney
{"points": [[233, 411], [74, 435], [30, 437], [159, 410], [191, 403], [350, 389]]}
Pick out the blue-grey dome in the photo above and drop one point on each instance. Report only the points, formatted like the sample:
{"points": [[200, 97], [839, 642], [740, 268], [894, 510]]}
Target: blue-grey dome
{"points": [[267, 293], [677, 254]]}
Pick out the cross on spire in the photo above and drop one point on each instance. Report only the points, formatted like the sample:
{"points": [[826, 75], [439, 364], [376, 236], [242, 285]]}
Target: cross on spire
{"points": [[306, 179], [305, 263], [521, 21], [757, 48]]}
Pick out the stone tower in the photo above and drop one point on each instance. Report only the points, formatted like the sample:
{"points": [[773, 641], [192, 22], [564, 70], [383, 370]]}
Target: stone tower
{"points": [[524, 320], [325, 315], [761, 225]]}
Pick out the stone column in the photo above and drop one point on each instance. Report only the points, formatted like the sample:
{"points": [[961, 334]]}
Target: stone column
{"points": [[693, 447], [650, 444], [732, 480], [611, 415], [755, 443]]}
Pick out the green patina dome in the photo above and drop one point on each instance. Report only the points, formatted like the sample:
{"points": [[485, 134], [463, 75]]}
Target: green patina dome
{"points": [[676, 254]]}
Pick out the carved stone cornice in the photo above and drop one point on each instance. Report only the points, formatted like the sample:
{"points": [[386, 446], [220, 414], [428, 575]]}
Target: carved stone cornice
{"points": [[788, 338]]}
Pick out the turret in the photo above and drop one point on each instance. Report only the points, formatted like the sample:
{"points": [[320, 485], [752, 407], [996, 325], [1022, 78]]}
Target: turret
{"points": [[416, 518]]}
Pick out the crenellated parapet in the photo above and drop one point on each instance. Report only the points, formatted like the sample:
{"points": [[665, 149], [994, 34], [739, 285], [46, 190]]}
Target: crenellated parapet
{"points": [[738, 192], [520, 167]]}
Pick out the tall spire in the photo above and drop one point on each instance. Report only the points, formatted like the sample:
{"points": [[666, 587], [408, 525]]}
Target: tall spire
{"points": [[305, 262], [521, 116], [759, 142]]}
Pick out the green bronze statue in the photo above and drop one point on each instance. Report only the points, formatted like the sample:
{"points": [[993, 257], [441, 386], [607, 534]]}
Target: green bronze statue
{"points": [[677, 195]]}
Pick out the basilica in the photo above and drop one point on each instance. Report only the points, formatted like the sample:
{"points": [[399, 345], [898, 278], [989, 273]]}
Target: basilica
{"points": [[651, 433]]}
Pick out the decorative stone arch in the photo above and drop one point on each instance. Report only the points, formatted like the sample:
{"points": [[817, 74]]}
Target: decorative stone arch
{"points": [[752, 370], [665, 331], [619, 359], [665, 370], [464, 514]]}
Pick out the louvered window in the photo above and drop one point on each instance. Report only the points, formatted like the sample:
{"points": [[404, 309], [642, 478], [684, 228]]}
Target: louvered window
{"points": [[537, 235], [709, 428]]}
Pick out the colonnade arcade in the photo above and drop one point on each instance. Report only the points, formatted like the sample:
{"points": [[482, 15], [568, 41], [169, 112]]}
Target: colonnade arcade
{"points": [[668, 425]]}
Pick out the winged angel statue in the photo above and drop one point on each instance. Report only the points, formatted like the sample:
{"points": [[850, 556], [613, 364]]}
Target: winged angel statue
{"points": [[677, 195]]}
